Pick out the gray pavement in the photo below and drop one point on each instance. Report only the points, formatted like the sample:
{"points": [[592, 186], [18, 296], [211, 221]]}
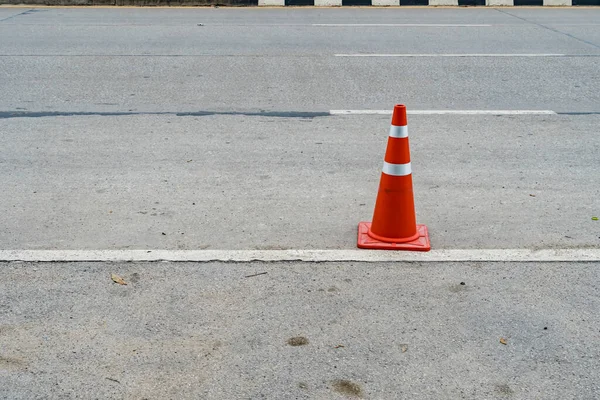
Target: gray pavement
{"points": [[140, 129], [252, 182], [250, 59], [191, 331], [284, 84]]}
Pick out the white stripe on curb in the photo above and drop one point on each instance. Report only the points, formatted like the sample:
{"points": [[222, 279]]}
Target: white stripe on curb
{"points": [[455, 255], [445, 112]]}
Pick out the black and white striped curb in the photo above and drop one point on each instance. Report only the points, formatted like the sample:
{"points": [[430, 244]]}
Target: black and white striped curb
{"points": [[428, 3]]}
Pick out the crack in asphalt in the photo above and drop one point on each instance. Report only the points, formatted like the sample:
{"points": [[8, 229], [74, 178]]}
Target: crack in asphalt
{"points": [[276, 114], [549, 28], [19, 14]]}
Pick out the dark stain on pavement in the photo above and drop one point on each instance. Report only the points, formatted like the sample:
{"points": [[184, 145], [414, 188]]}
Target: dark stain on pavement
{"points": [[461, 287], [11, 363], [297, 341], [504, 389], [347, 388]]}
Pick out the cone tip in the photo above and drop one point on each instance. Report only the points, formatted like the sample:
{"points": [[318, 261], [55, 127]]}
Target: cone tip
{"points": [[399, 115]]}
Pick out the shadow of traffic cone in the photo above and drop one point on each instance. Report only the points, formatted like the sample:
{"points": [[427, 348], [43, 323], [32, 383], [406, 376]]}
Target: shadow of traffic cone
{"points": [[394, 225]]}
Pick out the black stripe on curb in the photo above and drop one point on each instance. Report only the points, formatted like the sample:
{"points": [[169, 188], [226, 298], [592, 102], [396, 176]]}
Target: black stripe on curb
{"points": [[529, 2], [471, 2], [356, 2], [586, 2], [299, 2], [414, 2]]}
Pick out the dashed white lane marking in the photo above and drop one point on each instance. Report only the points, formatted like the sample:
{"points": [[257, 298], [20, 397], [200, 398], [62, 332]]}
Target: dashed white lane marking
{"points": [[451, 55], [454, 255], [445, 112], [409, 25]]}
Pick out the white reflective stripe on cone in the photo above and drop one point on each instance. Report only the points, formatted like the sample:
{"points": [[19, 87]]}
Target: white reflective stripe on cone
{"points": [[396, 169], [398, 131]]}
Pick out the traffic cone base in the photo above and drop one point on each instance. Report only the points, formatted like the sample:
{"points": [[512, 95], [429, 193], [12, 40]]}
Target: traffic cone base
{"points": [[421, 243]]}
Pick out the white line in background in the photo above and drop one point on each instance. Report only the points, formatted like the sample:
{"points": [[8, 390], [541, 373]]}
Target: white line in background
{"points": [[450, 55], [455, 255], [445, 112], [411, 25]]}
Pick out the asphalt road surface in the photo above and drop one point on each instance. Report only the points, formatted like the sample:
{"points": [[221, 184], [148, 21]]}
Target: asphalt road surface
{"points": [[264, 130]]}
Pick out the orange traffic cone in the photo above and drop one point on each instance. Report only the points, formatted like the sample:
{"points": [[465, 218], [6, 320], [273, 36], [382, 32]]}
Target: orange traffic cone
{"points": [[394, 225]]}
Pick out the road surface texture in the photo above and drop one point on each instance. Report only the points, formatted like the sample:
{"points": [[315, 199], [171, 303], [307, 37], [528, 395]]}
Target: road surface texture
{"points": [[205, 331], [264, 130]]}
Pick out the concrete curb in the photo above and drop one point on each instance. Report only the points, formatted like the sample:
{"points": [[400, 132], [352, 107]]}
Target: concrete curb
{"points": [[137, 3], [303, 3]]}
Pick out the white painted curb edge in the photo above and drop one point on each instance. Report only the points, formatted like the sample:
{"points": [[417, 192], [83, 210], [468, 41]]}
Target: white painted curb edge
{"points": [[454, 255]]}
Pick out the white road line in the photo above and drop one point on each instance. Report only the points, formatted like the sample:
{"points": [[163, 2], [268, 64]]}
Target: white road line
{"points": [[410, 25], [359, 112], [455, 255], [450, 55], [445, 112]]}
